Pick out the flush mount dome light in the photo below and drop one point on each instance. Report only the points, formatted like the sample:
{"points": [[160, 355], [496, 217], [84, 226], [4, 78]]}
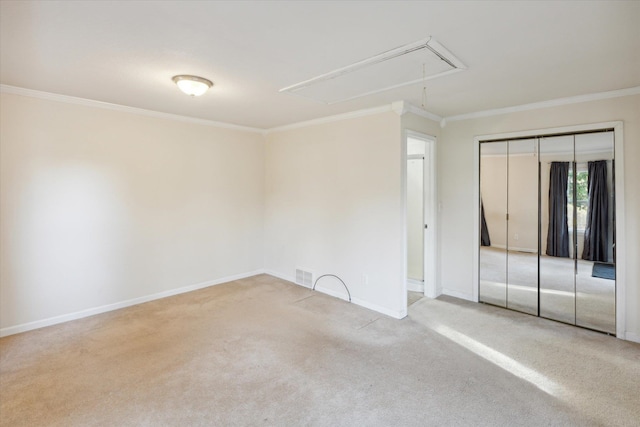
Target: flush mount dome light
{"points": [[192, 85]]}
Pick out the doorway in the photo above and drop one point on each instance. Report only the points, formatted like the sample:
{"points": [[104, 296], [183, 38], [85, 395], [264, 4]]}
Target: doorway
{"points": [[420, 216]]}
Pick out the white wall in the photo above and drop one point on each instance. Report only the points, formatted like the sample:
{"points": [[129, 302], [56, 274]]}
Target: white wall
{"points": [[100, 207], [457, 181], [334, 206]]}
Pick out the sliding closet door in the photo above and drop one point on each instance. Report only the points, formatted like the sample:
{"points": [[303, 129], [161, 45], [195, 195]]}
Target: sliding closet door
{"points": [[557, 240], [493, 223], [595, 201], [522, 225], [548, 227]]}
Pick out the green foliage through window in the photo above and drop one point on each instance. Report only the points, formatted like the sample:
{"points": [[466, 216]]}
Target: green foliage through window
{"points": [[582, 198]]}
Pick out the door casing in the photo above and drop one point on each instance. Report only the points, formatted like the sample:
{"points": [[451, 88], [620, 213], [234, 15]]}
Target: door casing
{"points": [[430, 263]]}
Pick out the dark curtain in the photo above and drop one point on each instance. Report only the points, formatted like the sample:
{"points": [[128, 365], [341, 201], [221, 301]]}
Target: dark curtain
{"points": [[596, 231], [485, 240], [558, 233]]}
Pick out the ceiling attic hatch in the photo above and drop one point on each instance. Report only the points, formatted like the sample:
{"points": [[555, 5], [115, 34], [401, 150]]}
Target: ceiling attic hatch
{"points": [[405, 65]]}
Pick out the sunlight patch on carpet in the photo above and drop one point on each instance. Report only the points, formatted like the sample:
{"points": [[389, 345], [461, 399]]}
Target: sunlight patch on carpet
{"points": [[502, 361]]}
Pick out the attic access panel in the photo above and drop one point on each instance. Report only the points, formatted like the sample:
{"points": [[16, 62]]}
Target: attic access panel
{"points": [[409, 64]]}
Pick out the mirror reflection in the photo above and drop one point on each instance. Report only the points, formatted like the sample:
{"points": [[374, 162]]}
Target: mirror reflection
{"points": [[493, 211], [522, 226], [595, 217], [557, 265], [547, 223]]}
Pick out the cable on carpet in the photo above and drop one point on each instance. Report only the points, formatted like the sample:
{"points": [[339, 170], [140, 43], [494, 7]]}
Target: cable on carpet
{"points": [[332, 275]]}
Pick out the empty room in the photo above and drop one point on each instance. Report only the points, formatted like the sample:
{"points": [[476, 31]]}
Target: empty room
{"points": [[319, 213]]}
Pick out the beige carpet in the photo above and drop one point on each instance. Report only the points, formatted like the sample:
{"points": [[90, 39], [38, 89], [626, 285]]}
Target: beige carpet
{"points": [[413, 297], [576, 299], [262, 351]]}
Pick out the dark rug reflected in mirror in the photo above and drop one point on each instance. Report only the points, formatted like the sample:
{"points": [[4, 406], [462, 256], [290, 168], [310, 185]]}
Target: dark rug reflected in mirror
{"points": [[603, 270]]}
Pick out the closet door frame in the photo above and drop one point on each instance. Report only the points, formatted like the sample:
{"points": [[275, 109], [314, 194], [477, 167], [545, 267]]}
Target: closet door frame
{"points": [[620, 237]]}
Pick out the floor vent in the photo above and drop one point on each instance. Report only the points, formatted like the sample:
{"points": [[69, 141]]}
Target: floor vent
{"points": [[304, 278]]}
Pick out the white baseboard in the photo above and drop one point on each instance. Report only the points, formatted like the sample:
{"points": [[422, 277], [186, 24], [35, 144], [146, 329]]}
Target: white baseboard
{"points": [[415, 285], [336, 294], [283, 277], [457, 294], [399, 314], [11, 330], [631, 336], [515, 249], [343, 296], [435, 295]]}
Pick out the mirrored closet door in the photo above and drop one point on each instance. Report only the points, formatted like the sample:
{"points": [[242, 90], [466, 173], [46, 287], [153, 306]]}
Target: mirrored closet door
{"points": [[557, 263], [547, 223], [522, 226], [594, 207], [493, 212]]}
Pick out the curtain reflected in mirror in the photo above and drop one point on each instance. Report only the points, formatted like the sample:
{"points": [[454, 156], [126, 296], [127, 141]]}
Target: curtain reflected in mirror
{"points": [[558, 231]]}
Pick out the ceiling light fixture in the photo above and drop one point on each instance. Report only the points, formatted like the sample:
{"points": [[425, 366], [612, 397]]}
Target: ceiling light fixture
{"points": [[192, 85]]}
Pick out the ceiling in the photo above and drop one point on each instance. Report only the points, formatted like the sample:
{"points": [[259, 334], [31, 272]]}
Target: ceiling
{"points": [[126, 52]]}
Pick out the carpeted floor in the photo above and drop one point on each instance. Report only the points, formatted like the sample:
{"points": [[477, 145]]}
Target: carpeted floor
{"points": [[576, 299], [413, 297], [262, 351]]}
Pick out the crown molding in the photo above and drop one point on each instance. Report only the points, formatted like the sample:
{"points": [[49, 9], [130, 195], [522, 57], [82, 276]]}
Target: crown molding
{"points": [[334, 118], [423, 113], [546, 104], [122, 108], [399, 107], [403, 107]]}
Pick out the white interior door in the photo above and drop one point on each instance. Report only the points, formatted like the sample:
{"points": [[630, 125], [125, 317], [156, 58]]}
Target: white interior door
{"points": [[429, 220], [421, 215], [415, 222]]}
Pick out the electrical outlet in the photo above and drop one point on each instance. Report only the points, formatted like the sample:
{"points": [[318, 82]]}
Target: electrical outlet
{"points": [[515, 236], [365, 279]]}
